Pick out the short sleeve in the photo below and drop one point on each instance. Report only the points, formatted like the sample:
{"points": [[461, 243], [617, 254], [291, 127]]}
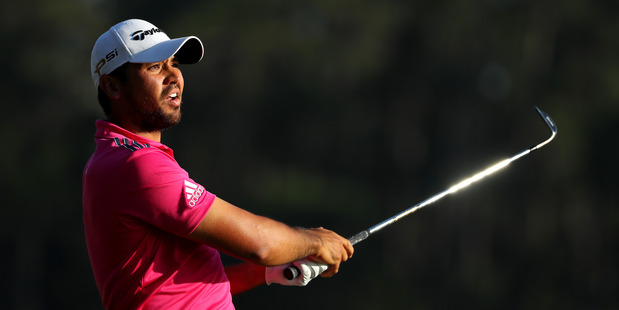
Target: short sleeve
{"points": [[162, 194]]}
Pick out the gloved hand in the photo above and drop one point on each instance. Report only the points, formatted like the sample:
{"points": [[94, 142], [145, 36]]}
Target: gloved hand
{"points": [[309, 270]]}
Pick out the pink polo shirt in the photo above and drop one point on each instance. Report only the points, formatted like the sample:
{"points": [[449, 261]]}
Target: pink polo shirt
{"points": [[139, 204]]}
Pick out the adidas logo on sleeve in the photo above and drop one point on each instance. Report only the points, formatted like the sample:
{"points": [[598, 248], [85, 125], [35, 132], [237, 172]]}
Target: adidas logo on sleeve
{"points": [[193, 192]]}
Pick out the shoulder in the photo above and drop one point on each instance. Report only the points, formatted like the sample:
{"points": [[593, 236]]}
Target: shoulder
{"points": [[151, 164]]}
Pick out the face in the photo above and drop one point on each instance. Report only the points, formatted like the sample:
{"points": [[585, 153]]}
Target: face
{"points": [[154, 92]]}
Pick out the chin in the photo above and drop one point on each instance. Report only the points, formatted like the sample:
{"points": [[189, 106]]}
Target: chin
{"points": [[158, 121]]}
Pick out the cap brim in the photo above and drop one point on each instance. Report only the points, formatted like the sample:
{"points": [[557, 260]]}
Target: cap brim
{"points": [[188, 50]]}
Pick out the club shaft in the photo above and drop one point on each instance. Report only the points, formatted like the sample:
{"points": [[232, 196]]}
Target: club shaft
{"points": [[292, 272], [464, 183], [461, 185]]}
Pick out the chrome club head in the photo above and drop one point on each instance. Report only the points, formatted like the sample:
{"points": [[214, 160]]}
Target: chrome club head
{"points": [[551, 125]]}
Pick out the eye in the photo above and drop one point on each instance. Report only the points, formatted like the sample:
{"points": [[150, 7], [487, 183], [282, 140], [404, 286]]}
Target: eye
{"points": [[154, 67]]}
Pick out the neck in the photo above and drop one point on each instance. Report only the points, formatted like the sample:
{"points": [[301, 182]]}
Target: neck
{"points": [[155, 136], [130, 126]]}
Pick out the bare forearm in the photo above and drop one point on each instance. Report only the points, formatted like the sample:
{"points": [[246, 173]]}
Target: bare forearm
{"points": [[254, 238], [267, 242], [282, 244]]}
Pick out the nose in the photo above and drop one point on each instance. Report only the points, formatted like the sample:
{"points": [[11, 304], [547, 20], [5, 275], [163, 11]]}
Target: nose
{"points": [[173, 72]]}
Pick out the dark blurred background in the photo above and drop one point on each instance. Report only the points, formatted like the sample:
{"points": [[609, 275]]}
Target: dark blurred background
{"points": [[341, 114]]}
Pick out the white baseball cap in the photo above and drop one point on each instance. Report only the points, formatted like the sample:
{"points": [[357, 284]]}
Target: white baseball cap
{"points": [[139, 41]]}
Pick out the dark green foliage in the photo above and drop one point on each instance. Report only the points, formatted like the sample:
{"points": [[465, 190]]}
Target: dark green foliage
{"points": [[340, 114]]}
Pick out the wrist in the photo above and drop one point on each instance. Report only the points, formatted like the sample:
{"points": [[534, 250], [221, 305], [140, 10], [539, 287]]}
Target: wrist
{"points": [[313, 242]]}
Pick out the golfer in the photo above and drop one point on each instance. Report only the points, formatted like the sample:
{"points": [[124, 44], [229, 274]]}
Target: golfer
{"points": [[154, 235]]}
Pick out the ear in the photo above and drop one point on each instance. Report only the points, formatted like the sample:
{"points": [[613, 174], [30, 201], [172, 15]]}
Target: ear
{"points": [[111, 86]]}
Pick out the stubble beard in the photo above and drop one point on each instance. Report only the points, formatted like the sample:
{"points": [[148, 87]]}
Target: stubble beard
{"points": [[157, 119]]}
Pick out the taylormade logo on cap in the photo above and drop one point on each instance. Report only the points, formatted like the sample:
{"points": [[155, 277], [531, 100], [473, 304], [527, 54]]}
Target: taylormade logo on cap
{"points": [[139, 41], [140, 34]]}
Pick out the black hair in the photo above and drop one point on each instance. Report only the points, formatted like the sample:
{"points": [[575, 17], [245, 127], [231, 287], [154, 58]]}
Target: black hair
{"points": [[119, 73]]}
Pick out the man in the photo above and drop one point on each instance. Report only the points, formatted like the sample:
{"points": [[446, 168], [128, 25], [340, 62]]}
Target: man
{"points": [[153, 233]]}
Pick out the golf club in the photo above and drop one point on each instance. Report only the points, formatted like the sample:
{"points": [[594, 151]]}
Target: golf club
{"points": [[292, 272]]}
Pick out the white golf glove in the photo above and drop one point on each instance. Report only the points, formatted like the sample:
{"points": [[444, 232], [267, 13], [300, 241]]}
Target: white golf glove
{"points": [[308, 270]]}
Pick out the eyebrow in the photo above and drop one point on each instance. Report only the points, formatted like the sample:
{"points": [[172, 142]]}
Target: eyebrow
{"points": [[174, 59]]}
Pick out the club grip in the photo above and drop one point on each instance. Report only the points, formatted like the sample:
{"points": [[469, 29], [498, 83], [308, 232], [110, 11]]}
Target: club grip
{"points": [[292, 272]]}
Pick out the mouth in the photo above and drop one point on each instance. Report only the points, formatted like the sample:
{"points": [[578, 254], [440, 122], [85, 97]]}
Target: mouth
{"points": [[174, 98]]}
